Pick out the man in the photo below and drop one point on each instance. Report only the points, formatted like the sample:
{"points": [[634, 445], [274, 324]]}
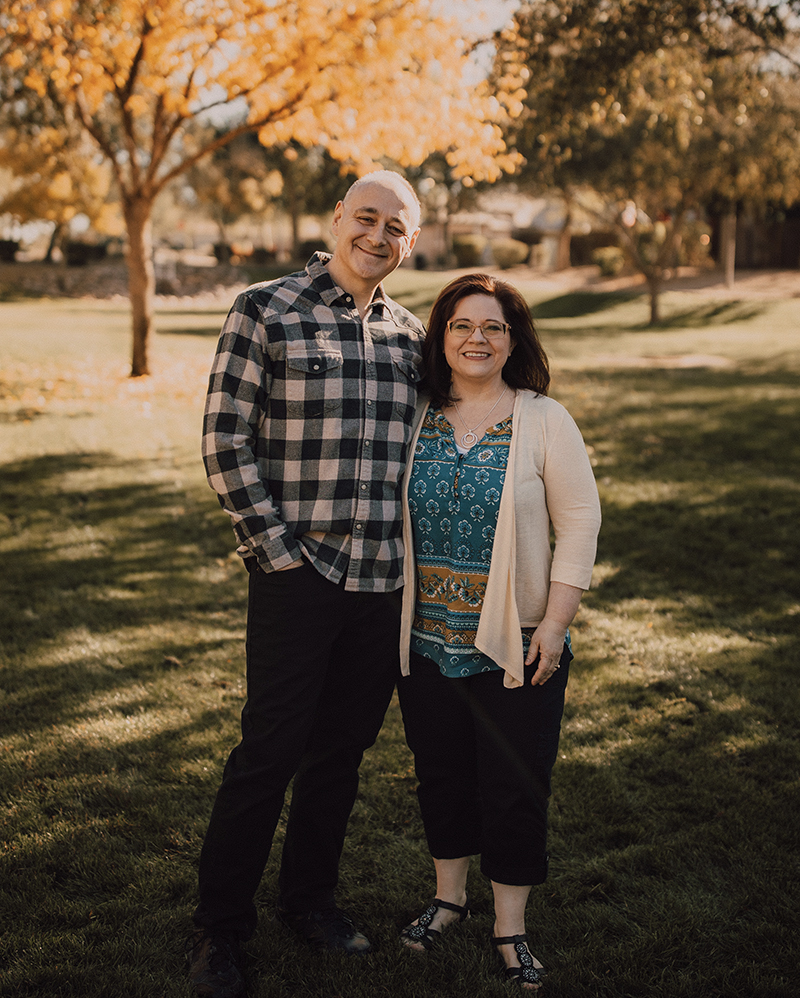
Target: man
{"points": [[306, 431]]}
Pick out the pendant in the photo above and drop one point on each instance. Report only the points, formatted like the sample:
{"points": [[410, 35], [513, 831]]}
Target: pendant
{"points": [[469, 439]]}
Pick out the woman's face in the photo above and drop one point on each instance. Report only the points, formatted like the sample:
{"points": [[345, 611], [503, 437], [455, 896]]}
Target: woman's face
{"points": [[477, 358]]}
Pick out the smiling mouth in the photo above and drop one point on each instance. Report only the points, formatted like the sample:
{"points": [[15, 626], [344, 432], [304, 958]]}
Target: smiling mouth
{"points": [[378, 256], [475, 353]]}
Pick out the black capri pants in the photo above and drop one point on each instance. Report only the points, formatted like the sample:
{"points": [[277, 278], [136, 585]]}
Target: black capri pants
{"points": [[483, 756]]}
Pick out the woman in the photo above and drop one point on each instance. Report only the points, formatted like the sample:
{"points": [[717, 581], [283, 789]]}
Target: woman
{"points": [[484, 641]]}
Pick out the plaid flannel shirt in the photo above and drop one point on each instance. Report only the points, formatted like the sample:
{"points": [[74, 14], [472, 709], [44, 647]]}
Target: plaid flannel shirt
{"points": [[307, 424]]}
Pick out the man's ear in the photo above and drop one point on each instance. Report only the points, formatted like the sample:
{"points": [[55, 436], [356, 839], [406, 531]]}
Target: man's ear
{"points": [[412, 239], [337, 217]]}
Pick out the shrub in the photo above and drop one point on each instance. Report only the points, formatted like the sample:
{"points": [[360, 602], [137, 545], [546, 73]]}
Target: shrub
{"points": [[308, 247], [468, 249], [610, 260], [509, 252], [8, 250], [78, 254]]}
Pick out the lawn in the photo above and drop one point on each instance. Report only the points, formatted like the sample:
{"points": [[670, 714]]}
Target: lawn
{"points": [[675, 860]]}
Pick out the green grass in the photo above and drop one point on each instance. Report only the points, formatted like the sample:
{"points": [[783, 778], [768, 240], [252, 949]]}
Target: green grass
{"points": [[674, 842]]}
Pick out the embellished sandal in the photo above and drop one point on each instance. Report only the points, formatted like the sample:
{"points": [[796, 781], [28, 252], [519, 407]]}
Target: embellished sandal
{"points": [[422, 933], [526, 972]]}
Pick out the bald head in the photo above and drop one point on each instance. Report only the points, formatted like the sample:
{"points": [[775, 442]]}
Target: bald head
{"points": [[394, 182]]}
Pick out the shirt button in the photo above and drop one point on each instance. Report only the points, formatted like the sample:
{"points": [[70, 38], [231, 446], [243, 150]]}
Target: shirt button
{"points": [[359, 526], [369, 401], [363, 488], [316, 367], [366, 443]]}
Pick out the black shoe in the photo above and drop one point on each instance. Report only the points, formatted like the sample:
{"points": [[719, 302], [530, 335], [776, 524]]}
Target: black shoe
{"points": [[328, 928], [215, 965]]}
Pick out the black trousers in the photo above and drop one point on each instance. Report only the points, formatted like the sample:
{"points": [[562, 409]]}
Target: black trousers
{"points": [[321, 668], [483, 756]]}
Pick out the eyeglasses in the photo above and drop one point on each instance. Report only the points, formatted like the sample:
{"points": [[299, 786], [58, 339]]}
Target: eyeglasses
{"points": [[462, 328]]}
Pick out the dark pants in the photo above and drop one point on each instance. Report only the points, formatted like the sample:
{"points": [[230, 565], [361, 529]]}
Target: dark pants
{"points": [[321, 667], [483, 756]]}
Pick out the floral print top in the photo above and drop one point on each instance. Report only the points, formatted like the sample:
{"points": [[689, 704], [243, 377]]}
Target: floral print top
{"points": [[454, 501]]}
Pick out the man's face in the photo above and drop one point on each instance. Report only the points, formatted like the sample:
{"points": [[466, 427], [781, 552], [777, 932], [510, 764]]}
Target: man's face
{"points": [[375, 231]]}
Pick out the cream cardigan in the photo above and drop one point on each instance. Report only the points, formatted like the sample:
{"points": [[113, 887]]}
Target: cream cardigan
{"points": [[549, 480]]}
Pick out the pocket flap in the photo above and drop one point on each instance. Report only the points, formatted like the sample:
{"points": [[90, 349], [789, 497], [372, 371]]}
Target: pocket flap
{"points": [[311, 359]]}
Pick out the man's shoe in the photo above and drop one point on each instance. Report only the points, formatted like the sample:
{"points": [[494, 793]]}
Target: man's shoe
{"points": [[328, 928], [215, 965]]}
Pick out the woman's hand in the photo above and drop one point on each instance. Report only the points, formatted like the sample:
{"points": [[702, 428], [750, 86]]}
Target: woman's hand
{"points": [[548, 643], [548, 638]]}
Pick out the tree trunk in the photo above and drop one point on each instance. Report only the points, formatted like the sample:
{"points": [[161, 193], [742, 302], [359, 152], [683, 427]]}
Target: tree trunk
{"points": [[654, 287], [563, 261], [55, 239], [141, 278], [727, 250]]}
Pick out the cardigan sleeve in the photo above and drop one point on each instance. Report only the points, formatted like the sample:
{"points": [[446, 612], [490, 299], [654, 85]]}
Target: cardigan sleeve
{"points": [[572, 504]]}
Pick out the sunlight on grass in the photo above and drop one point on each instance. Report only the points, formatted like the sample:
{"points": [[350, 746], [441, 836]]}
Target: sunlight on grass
{"points": [[674, 845]]}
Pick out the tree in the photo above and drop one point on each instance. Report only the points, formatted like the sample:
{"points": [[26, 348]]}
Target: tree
{"points": [[52, 180], [662, 131], [246, 178], [136, 73]]}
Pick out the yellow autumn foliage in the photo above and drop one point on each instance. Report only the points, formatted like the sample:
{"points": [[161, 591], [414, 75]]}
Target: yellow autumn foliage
{"points": [[372, 79]]}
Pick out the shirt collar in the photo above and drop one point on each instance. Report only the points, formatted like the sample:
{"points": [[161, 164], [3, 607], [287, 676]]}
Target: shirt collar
{"points": [[330, 292]]}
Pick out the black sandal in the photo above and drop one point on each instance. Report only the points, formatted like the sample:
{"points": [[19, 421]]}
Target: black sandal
{"points": [[526, 973], [422, 932]]}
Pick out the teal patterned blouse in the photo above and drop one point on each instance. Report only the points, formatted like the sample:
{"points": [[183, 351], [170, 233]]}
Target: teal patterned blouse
{"points": [[454, 500]]}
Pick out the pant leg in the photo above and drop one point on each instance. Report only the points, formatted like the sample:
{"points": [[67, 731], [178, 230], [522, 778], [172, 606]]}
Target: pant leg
{"points": [[517, 745], [292, 623], [363, 670], [440, 731]]}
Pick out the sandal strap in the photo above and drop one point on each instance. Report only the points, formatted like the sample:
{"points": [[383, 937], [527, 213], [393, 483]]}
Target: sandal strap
{"points": [[530, 975], [526, 971], [462, 909], [505, 940], [422, 931]]}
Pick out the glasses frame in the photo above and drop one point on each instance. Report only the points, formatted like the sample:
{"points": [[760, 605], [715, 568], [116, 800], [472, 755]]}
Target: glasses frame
{"points": [[478, 325]]}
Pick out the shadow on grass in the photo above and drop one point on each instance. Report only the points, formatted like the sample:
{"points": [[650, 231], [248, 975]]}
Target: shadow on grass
{"points": [[578, 303], [104, 584], [674, 833], [193, 331], [715, 459], [713, 314]]}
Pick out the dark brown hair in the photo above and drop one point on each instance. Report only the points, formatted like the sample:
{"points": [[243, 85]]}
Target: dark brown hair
{"points": [[527, 365]]}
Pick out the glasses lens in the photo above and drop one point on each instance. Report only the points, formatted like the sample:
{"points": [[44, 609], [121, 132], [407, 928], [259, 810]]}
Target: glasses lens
{"points": [[493, 329], [461, 327]]}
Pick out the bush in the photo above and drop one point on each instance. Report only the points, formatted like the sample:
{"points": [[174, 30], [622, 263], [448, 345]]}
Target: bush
{"points": [[78, 254], [510, 252], [8, 250], [610, 260], [308, 247], [582, 245], [469, 249]]}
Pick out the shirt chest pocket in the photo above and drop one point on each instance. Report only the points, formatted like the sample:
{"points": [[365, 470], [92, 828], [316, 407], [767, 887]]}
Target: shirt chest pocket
{"points": [[404, 386], [313, 379]]}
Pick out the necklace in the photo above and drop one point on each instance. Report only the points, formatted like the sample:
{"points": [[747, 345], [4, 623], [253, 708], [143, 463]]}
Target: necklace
{"points": [[470, 438]]}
